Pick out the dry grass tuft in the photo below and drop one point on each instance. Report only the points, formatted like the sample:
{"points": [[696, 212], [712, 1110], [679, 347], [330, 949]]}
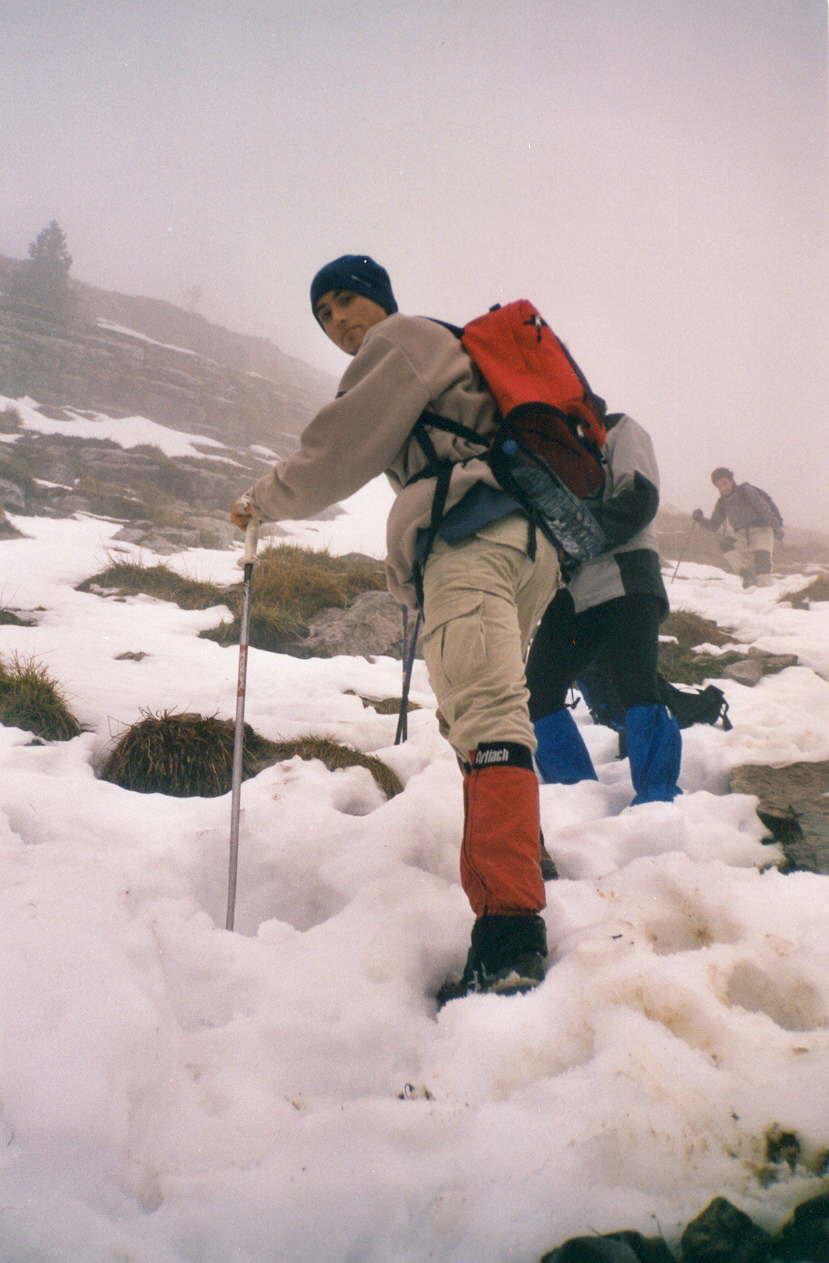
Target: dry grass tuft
{"points": [[692, 629], [188, 756], [131, 578], [184, 755], [817, 590], [30, 699], [10, 421], [290, 585], [384, 705], [335, 755], [303, 582], [678, 663], [271, 628]]}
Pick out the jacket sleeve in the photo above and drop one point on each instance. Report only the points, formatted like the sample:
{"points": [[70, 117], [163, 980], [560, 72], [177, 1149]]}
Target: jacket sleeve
{"points": [[351, 440], [631, 499], [718, 515]]}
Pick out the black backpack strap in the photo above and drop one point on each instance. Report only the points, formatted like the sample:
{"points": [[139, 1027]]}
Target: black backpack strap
{"points": [[437, 422], [443, 476], [441, 471]]}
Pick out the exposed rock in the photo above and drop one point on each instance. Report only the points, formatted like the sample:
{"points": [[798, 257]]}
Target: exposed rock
{"points": [[756, 664], [719, 1234], [592, 1250], [794, 807], [236, 389], [805, 1236], [162, 539], [722, 1234], [11, 496], [746, 672], [372, 624]]}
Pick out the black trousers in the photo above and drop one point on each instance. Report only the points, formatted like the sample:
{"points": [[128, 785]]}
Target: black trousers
{"points": [[624, 630]]}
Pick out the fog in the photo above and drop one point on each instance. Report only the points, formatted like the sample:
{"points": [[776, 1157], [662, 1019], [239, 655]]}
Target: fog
{"points": [[651, 173]]}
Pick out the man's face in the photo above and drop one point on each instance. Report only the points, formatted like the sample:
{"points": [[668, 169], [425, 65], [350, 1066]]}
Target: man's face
{"points": [[346, 317], [725, 486]]}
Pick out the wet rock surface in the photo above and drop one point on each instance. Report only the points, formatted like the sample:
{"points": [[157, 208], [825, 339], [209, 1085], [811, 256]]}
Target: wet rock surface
{"points": [[794, 807], [719, 1234]]}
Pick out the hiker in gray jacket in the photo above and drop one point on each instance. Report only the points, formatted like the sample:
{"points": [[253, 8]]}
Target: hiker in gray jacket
{"points": [[484, 585], [612, 606], [750, 525]]}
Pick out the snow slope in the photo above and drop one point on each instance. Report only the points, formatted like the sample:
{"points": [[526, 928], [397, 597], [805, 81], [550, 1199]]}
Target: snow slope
{"points": [[174, 1093]]}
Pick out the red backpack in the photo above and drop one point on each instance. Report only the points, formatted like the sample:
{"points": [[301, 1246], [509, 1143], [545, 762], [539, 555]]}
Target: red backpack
{"points": [[542, 395], [547, 450]]}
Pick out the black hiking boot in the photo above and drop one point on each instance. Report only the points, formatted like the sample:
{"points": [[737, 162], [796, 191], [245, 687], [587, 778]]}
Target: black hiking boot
{"points": [[506, 958]]}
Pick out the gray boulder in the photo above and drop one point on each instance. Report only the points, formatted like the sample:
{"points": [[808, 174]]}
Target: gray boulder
{"points": [[372, 625]]}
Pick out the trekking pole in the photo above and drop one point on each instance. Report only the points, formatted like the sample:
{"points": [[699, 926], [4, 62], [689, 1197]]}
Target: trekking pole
{"points": [[408, 664], [247, 560], [403, 714], [684, 549]]}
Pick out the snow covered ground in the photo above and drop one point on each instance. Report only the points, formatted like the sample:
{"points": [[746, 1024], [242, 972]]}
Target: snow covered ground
{"points": [[174, 1093]]}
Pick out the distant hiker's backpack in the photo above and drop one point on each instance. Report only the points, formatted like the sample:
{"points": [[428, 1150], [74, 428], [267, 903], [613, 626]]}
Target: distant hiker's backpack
{"points": [[547, 450], [777, 524]]}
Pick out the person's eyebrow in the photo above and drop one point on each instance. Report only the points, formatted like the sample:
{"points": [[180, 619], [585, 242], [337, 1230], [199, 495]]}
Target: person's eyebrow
{"points": [[325, 302]]}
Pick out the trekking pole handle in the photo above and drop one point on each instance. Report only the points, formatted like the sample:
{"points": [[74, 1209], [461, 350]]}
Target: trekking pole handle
{"points": [[251, 540]]}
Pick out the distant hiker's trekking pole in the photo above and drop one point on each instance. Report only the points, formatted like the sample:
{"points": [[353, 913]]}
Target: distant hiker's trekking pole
{"points": [[247, 560], [684, 549], [408, 664]]}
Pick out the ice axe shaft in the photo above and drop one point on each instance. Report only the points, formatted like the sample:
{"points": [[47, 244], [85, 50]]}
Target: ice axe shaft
{"points": [[247, 560]]}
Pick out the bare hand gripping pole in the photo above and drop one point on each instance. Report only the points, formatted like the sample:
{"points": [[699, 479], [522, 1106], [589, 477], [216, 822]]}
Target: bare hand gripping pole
{"points": [[247, 560]]}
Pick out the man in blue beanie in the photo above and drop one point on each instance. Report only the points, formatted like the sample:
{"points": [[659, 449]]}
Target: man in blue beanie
{"points": [[483, 585]]}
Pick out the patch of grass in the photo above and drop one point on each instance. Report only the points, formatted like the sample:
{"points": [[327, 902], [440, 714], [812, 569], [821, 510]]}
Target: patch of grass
{"points": [[188, 755], [108, 501], [336, 755], [384, 705], [678, 662], [290, 585], [184, 755], [817, 590], [30, 699], [131, 578], [272, 629], [303, 582], [692, 629], [8, 617], [681, 665]]}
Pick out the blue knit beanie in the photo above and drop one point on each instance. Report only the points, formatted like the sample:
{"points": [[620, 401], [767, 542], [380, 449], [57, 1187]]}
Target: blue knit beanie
{"points": [[358, 273]]}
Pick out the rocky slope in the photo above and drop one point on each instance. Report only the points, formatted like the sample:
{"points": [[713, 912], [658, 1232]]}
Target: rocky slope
{"points": [[126, 356]]}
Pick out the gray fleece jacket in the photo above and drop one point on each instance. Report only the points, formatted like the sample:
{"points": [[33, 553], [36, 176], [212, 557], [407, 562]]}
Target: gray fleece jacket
{"points": [[625, 509]]}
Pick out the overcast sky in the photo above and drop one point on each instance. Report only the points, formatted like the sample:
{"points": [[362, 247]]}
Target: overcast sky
{"points": [[651, 173]]}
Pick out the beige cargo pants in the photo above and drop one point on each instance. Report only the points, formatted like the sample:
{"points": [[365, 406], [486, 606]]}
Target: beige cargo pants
{"points": [[752, 553], [483, 599]]}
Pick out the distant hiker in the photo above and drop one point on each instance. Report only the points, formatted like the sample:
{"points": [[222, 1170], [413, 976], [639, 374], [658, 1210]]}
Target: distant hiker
{"points": [[612, 606], [486, 582], [750, 522]]}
